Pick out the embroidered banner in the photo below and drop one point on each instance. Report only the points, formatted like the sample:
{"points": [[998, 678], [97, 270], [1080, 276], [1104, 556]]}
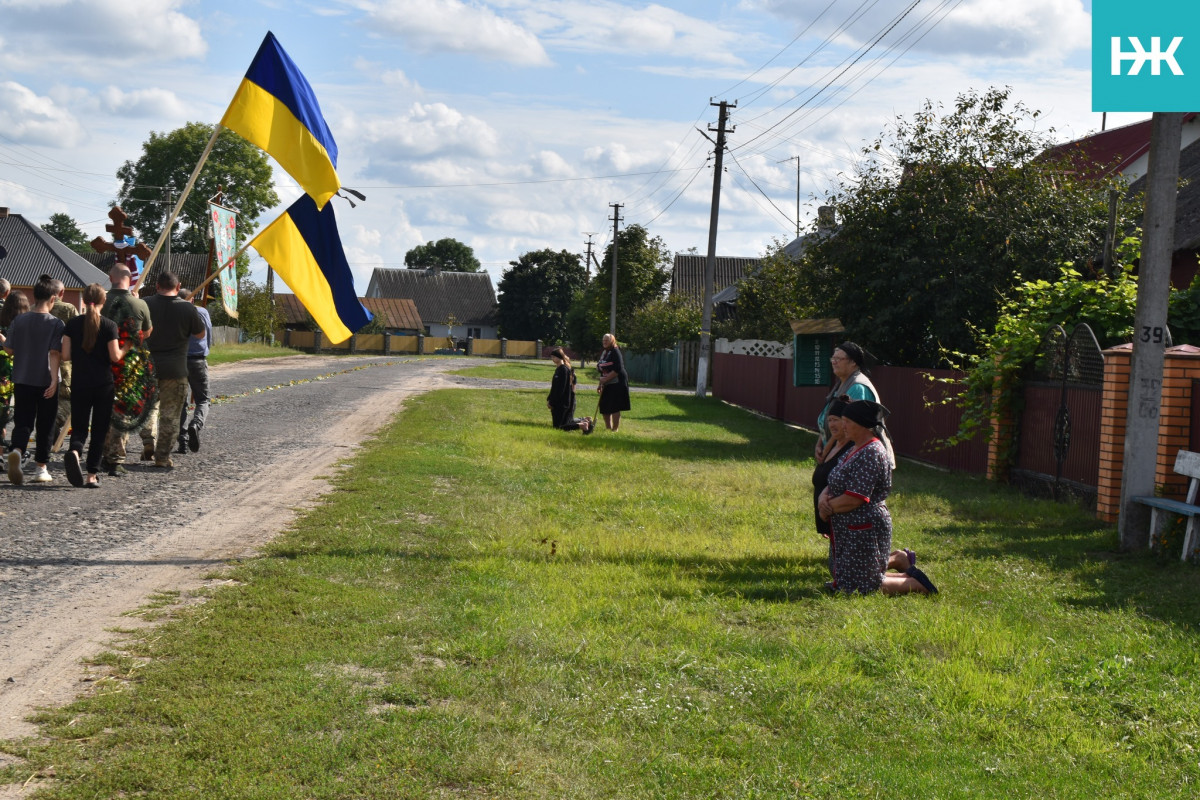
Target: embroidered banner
{"points": [[224, 226]]}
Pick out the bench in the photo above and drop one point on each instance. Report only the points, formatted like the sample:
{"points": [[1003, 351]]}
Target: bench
{"points": [[1186, 463]]}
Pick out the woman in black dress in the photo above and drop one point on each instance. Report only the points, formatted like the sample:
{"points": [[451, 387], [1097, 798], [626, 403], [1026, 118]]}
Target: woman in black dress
{"points": [[561, 400], [614, 383]]}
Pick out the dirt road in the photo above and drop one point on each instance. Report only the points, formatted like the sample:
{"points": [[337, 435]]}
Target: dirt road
{"points": [[73, 561]]}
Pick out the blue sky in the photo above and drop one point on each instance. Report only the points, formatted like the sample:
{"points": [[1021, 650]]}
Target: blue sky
{"points": [[511, 125]]}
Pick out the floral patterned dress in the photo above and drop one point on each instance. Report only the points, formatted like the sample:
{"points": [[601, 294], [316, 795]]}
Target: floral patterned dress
{"points": [[862, 538]]}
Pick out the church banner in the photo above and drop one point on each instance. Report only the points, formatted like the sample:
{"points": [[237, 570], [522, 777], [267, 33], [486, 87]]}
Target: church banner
{"points": [[224, 228]]}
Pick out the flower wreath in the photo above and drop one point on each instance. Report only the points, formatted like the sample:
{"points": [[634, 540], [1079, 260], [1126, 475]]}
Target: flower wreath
{"points": [[135, 387]]}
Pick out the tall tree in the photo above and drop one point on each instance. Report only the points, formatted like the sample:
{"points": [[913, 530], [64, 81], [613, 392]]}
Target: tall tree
{"points": [[235, 166], [768, 300], [946, 215], [643, 272], [66, 230], [448, 254], [536, 292]]}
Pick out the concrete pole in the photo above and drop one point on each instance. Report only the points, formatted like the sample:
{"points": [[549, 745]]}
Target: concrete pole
{"points": [[710, 265], [612, 312], [1150, 329]]}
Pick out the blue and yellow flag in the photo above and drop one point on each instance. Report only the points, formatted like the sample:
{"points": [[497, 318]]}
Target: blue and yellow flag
{"points": [[304, 247], [276, 109]]}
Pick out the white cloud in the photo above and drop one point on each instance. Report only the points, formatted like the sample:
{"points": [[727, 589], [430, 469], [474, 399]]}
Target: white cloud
{"points": [[426, 131], [1017, 29], [438, 26], [84, 34], [29, 119], [142, 103], [652, 29]]}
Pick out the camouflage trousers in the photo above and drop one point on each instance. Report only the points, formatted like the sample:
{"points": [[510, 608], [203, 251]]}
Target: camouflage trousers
{"points": [[164, 415]]}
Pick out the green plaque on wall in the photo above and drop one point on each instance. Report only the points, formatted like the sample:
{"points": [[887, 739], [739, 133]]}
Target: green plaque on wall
{"points": [[810, 359], [812, 347]]}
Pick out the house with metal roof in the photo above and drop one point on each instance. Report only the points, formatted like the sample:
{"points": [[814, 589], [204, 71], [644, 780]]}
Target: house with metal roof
{"points": [[398, 315], [687, 274], [458, 304], [29, 252]]}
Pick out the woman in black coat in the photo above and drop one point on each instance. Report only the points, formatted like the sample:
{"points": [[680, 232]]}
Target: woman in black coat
{"points": [[561, 400], [614, 383]]}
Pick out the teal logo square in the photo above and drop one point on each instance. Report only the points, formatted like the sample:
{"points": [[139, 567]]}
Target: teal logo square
{"points": [[1145, 57]]}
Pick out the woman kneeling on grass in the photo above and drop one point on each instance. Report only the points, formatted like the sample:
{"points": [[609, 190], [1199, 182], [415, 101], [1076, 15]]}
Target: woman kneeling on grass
{"points": [[854, 502], [561, 400]]}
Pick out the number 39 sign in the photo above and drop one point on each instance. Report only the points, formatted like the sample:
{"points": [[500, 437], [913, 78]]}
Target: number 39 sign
{"points": [[224, 227]]}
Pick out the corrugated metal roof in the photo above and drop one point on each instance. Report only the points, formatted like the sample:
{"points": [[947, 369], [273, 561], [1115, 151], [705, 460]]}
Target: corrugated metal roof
{"points": [[31, 253], [397, 314], [467, 295], [192, 268], [687, 276]]}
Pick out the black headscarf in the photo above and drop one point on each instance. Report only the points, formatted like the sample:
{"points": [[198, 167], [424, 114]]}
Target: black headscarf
{"points": [[836, 408], [867, 413], [854, 353]]}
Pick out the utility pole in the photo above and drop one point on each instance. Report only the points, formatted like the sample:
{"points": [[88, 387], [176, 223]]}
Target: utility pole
{"points": [[612, 308], [797, 160], [710, 266], [587, 259], [1150, 328]]}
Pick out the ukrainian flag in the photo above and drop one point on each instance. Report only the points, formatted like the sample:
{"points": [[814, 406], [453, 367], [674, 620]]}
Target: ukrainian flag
{"points": [[304, 247], [276, 109]]}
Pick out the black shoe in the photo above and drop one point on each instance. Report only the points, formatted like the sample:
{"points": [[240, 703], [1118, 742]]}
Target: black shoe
{"points": [[922, 579], [193, 439], [71, 465], [181, 448]]}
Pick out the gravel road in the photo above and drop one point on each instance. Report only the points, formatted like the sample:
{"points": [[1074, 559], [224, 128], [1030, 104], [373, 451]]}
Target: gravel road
{"points": [[72, 561]]}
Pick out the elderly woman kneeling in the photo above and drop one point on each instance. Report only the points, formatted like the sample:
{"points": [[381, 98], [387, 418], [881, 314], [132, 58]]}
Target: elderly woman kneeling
{"points": [[855, 503]]}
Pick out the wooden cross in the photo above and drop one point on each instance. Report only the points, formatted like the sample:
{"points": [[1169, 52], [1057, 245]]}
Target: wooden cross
{"points": [[119, 230]]}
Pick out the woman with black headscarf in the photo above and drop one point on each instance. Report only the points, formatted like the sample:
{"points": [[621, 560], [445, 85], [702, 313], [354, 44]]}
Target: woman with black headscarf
{"points": [[855, 504], [848, 361]]}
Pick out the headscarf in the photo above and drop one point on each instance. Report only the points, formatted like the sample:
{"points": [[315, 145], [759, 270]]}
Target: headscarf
{"points": [[854, 353], [867, 413], [836, 408]]}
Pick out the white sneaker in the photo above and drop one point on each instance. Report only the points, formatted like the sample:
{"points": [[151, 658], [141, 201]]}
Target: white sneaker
{"points": [[41, 476]]}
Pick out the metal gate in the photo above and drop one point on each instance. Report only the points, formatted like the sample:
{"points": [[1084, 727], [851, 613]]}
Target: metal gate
{"points": [[1058, 433]]}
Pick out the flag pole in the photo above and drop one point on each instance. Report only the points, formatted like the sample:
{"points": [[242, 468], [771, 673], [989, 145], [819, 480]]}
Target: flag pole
{"points": [[166, 231], [216, 272]]}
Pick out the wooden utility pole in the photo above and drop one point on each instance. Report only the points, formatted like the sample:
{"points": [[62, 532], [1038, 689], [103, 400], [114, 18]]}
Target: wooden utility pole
{"points": [[710, 266], [612, 308], [1150, 329], [588, 258]]}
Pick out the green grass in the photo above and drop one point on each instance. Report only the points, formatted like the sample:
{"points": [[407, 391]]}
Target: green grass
{"points": [[228, 353], [487, 607], [541, 371]]}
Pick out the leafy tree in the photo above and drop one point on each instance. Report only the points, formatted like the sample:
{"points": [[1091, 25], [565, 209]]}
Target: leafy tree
{"points": [[769, 299], [643, 272], [943, 219], [660, 324], [235, 166], [448, 254], [535, 294], [257, 316], [66, 230]]}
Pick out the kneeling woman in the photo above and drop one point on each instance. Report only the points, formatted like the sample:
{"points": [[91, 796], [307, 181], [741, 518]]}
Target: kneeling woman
{"points": [[561, 400], [855, 503]]}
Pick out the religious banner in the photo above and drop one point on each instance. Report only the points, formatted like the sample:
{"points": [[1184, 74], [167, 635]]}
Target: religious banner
{"points": [[224, 227]]}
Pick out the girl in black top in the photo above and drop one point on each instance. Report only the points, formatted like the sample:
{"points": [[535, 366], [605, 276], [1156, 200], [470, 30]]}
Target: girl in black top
{"points": [[90, 341], [561, 400], [614, 383]]}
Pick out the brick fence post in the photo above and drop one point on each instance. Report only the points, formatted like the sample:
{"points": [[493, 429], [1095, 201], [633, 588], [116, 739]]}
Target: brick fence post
{"points": [[1000, 443], [1114, 406], [420, 344], [503, 348]]}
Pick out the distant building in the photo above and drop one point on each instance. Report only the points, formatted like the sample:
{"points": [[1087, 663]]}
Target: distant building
{"points": [[29, 252], [441, 296], [399, 316]]}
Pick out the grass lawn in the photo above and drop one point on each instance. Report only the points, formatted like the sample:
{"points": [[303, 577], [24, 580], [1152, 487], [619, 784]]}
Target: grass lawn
{"points": [[487, 607], [228, 353]]}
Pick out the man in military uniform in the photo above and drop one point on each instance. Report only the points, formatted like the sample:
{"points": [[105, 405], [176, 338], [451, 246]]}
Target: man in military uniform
{"points": [[176, 323], [132, 317]]}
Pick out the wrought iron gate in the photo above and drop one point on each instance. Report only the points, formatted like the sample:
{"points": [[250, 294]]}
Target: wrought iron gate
{"points": [[1058, 434]]}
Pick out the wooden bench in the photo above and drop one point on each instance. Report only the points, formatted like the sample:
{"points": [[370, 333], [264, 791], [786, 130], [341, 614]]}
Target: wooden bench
{"points": [[1186, 463]]}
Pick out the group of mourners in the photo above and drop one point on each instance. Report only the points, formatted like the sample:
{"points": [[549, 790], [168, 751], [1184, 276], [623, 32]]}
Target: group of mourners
{"points": [[613, 389], [57, 354], [851, 483]]}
